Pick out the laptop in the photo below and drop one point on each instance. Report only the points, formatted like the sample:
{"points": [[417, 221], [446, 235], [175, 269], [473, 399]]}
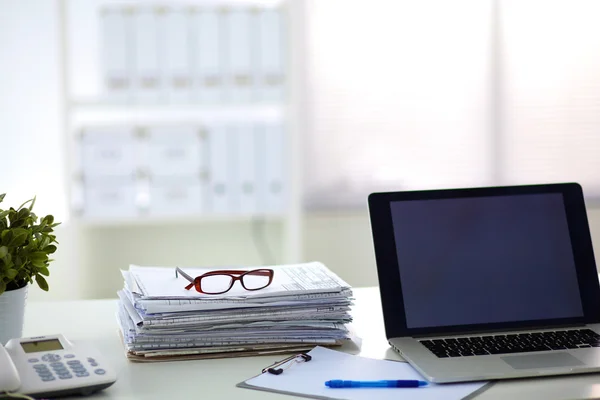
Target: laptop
{"points": [[488, 283]]}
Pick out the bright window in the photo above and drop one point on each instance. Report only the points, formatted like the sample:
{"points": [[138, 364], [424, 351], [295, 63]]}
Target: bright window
{"points": [[411, 94]]}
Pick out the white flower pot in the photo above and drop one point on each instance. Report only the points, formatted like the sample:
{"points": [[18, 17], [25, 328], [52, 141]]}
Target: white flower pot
{"points": [[12, 311]]}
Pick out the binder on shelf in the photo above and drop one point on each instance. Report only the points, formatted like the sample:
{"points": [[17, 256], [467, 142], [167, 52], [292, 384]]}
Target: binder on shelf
{"points": [[239, 51], [176, 54], [220, 171], [109, 151], [109, 197], [273, 186], [147, 73], [176, 196], [208, 56], [245, 188], [271, 60], [116, 53], [174, 150]]}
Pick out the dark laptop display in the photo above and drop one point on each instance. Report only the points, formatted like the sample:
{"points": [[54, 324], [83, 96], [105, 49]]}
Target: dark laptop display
{"points": [[485, 259]]}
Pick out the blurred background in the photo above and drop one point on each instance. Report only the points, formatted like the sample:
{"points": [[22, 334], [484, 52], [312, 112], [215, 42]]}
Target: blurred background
{"points": [[247, 132]]}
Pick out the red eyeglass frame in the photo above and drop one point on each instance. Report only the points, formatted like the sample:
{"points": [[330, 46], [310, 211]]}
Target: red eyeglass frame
{"points": [[197, 281]]}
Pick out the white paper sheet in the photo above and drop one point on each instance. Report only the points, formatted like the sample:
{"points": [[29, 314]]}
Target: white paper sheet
{"points": [[308, 379]]}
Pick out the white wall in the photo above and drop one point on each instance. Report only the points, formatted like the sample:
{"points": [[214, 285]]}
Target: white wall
{"points": [[32, 157]]}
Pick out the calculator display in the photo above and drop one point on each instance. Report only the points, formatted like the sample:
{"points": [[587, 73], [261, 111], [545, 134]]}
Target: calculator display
{"points": [[41, 345]]}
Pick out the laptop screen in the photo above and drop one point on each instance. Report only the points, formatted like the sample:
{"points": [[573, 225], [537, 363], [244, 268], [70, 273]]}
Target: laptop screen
{"points": [[480, 260]]}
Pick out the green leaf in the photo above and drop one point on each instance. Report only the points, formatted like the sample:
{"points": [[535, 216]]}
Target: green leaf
{"points": [[3, 251], [45, 241], [18, 239], [2, 197], [23, 213], [3, 214], [50, 249], [41, 281], [38, 256], [32, 203], [44, 271], [11, 274], [22, 205], [8, 261], [39, 264], [6, 235], [2, 286]]}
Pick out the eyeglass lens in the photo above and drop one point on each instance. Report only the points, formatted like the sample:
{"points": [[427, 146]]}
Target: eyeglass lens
{"points": [[255, 280]]}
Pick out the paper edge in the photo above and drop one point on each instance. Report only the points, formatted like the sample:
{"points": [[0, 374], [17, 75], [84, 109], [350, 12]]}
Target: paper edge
{"points": [[245, 385]]}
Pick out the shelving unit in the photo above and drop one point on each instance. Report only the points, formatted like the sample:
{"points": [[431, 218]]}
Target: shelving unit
{"points": [[85, 106]]}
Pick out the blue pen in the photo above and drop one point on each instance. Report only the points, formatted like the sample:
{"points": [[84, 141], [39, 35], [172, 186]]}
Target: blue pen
{"points": [[338, 383]]}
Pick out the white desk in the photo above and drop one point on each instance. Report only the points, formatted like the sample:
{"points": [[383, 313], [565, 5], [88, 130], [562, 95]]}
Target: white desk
{"points": [[95, 321]]}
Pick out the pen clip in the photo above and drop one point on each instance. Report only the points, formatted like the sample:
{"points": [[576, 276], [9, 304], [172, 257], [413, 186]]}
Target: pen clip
{"points": [[297, 358]]}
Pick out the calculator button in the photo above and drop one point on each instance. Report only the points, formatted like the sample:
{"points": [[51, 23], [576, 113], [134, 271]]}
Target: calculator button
{"points": [[33, 360], [78, 370], [44, 372], [69, 356], [39, 367], [81, 374], [50, 357], [93, 364], [48, 378], [99, 371], [57, 364], [74, 362], [69, 376], [90, 359]]}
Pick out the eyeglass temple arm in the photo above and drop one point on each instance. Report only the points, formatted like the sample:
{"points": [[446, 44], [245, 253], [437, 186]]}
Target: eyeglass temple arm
{"points": [[186, 276]]}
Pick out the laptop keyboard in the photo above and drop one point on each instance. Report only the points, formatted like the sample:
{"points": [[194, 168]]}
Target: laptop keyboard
{"points": [[512, 343]]}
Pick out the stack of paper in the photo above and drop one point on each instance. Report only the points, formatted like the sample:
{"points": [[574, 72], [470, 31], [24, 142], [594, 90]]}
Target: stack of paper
{"points": [[305, 305]]}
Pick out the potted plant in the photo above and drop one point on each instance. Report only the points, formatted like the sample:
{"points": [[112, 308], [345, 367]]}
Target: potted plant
{"points": [[25, 247]]}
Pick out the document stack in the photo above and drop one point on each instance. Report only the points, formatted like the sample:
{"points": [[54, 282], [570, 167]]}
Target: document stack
{"points": [[301, 306]]}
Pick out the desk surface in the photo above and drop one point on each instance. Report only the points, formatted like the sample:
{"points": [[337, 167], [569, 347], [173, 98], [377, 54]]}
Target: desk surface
{"points": [[95, 321]]}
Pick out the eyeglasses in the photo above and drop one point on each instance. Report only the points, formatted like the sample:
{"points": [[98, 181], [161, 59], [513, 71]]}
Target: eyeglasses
{"points": [[218, 282]]}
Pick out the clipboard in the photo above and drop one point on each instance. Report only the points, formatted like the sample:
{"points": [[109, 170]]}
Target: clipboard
{"points": [[306, 378]]}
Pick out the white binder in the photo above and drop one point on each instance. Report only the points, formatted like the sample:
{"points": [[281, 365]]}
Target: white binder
{"points": [[208, 56], [240, 71], [175, 196], [220, 171], [176, 48], [271, 61], [273, 185], [109, 197], [245, 186], [116, 53], [147, 74], [109, 151], [174, 150]]}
